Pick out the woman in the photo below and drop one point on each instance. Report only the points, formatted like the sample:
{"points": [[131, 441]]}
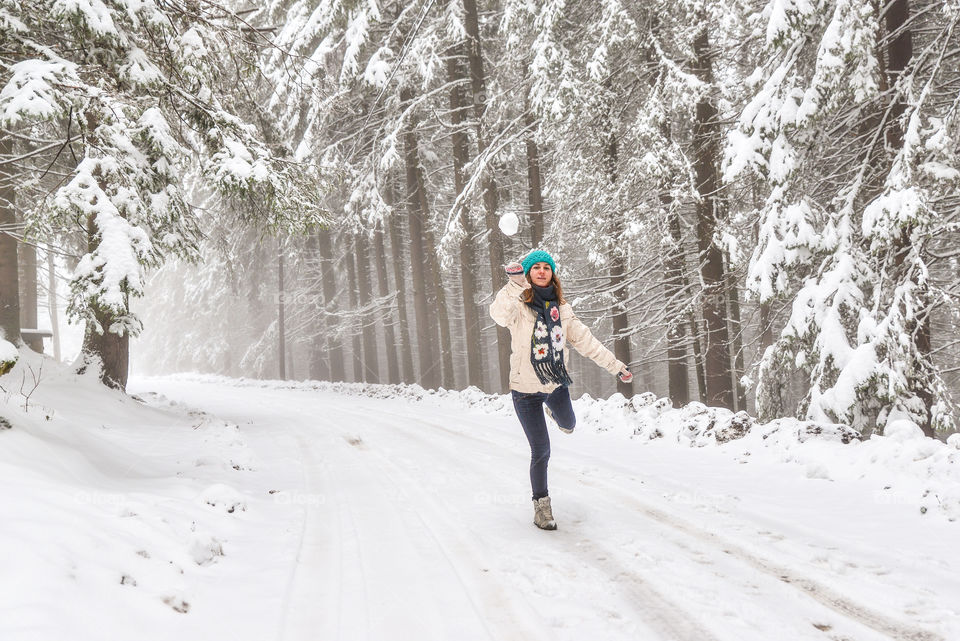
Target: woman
{"points": [[541, 323]]}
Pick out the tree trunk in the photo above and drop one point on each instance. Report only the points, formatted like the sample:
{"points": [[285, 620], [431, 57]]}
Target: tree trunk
{"points": [[281, 318], [9, 273], [393, 365], [328, 275], [677, 372], [407, 371], [472, 312], [426, 330], [371, 359], [924, 393], [445, 347], [291, 367], [736, 328], [109, 350], [618, 263], [706, 140], [534, 184], [490, 197], [698, 358], [359, 375], [621, 340], [52, 304], [766, 327], [319, 365], [28, 293], [899, 53], [399, 260]]}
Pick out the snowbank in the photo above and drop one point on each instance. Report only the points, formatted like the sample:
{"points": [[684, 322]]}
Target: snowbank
{"points": [[904, 466], [107, 503]]}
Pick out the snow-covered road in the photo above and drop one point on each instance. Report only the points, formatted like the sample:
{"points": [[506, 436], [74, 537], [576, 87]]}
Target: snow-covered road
{"points": [[414, 522]]}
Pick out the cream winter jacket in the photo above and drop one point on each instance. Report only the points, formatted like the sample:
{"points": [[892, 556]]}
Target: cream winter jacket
{"points": [[509, 311]]}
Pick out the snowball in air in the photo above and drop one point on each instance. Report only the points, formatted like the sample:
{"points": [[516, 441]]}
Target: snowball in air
{"points": [[509, 224]]}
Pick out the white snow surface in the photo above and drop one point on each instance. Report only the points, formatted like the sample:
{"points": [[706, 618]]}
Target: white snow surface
{"points": [[237, 509]]}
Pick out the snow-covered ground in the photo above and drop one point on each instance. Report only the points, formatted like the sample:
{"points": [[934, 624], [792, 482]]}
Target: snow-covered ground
{"points": [[224, 509]]}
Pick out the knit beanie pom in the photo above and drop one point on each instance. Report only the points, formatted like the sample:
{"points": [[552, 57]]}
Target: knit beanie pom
{"points": [[537, 256]]}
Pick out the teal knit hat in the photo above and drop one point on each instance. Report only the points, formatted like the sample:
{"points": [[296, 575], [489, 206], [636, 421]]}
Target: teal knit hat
{"points": [[537, 256]]}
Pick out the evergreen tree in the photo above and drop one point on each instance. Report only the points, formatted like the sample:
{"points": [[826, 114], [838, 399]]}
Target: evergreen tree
{"points": [[847, 128], [135, 92]]}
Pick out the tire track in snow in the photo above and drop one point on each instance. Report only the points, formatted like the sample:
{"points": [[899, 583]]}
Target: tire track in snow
{"points": [[488, 600], [814, 589], [318, 574], [301, 549], [676, 627], [445, 544], [661, 614], [451, 539]]}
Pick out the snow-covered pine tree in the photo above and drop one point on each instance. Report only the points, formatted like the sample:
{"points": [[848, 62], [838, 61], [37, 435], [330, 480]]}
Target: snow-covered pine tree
{"points": [[853, 128], [134, 93]]}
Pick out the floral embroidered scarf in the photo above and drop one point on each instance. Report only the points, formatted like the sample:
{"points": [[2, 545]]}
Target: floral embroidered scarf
{"points": [[548, 340]]}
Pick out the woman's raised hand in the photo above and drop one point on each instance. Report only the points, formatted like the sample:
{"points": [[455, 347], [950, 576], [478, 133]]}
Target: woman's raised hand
{"points": [[625, 374], [515, 272]]}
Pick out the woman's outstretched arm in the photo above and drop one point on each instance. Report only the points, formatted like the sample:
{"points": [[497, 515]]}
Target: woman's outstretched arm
{"points": [[583, 340]]}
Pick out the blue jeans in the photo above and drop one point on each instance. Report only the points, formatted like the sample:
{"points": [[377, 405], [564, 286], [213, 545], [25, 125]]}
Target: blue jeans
{"points": [[529, 408]]}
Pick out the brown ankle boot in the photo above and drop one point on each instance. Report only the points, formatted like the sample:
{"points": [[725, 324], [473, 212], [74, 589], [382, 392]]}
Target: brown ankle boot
{"points": [[543, 514]]}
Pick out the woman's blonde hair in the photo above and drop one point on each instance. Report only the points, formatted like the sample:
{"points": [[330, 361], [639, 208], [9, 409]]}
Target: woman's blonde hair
{"points": [[527, 296]]}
